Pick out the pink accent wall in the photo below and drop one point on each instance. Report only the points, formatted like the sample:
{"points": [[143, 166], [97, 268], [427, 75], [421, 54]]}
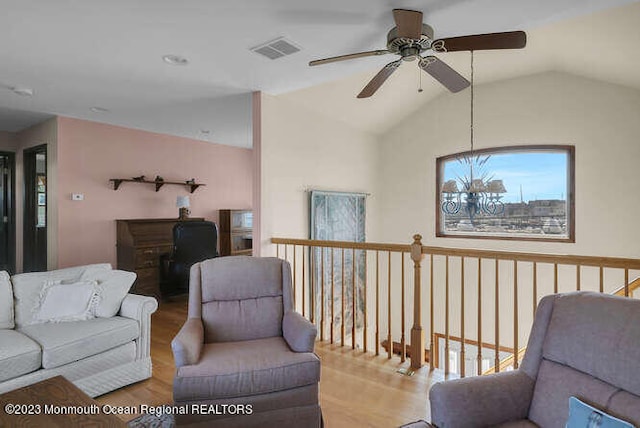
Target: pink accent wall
{"points": [[91, 153]]}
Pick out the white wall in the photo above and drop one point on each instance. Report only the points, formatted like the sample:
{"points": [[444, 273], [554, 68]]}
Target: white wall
{"points": [[600, 119], [304, 150]]}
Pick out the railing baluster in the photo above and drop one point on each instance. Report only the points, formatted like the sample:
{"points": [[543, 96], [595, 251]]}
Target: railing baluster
{"points": [[342, 303], [446, 316], [366, 318], [354, 298], [322, 294], [601, 279], [295, 274], [286, 252], [332, 296], [535, 287], [497, 318], [479, 347], [555, 278], [403, 349], [377, 303], [312, 283], [278, 250], [390, 348], [578, 285], [626, 282], [304, 275], [462, 311], [433, 353], [515, 314]]}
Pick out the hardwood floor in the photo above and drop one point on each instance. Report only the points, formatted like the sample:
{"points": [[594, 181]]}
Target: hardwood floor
{"points": [[356, 389]]}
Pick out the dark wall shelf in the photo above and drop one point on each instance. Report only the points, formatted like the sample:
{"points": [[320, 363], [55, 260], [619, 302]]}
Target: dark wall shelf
{"points": [[118, 181]]}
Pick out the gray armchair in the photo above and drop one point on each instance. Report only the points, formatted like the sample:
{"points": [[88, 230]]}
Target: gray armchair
{"points": [[243, 346], [582, 344]]}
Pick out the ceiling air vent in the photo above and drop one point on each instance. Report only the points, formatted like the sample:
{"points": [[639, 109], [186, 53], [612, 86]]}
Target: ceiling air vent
{"points": [[276, 48]]}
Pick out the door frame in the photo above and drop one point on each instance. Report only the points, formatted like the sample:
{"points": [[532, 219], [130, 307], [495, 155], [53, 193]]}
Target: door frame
{"points": [[29, 232], [11, 203]]}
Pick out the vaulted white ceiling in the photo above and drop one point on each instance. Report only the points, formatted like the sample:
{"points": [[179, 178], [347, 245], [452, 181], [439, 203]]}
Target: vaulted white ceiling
{"points": [[108, 53]]}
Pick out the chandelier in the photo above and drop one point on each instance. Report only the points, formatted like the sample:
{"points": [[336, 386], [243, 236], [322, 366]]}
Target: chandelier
{"points": [[479, 193]]}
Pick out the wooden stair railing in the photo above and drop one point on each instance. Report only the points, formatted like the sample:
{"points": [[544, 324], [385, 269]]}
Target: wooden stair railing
{"points": [[625, 290], [492, 280]]}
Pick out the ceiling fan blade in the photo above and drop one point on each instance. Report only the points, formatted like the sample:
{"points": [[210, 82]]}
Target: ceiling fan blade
{"points": [[409, 23], [478, 42], [444, 74], [349, 56], [379, 79]]}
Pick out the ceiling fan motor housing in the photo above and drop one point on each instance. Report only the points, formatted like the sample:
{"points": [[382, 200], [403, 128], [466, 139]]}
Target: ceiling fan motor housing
{"points": [[409, 48]]}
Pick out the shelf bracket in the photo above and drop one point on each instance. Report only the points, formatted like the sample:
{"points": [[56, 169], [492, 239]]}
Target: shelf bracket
{"points": [[116, 183], [159, 184], [194, 187]]}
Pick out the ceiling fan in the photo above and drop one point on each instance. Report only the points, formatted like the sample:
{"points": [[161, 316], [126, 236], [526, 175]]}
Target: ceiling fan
{"points": [[410, 37]]}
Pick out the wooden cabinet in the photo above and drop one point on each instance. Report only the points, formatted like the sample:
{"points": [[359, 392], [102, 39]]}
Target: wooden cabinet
{"points": [[140, 244], [236, 232]]}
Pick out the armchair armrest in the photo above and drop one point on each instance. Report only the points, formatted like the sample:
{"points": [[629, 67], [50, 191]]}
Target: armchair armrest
{"points": [[481, 401], [140, 309], [187, 345], [298, 332]]}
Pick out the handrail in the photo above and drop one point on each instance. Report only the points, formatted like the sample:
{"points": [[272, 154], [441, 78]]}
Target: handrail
{"points": [[372, 246], [610, 262], [633, 286]]}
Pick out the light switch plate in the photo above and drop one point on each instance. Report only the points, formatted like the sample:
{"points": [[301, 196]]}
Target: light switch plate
{"points": [[77, 197]]}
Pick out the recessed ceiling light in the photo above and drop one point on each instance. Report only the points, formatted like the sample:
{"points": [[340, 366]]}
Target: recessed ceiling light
{"points": [[22, 91], [175, 60], [97, 109]]}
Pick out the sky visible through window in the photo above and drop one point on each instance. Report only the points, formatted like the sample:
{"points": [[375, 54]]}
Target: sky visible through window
{"points": [[541, 175]]}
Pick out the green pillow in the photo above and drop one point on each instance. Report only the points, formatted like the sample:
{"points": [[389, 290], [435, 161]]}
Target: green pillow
{"points": [[582, 415]]}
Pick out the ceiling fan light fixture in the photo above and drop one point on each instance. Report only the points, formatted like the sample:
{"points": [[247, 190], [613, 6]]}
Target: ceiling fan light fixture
{"points": [[175, 59], [22, 91], [97, 109]]}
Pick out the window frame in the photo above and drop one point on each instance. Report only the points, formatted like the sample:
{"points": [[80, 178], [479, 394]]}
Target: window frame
{"points": [[571, 218]]}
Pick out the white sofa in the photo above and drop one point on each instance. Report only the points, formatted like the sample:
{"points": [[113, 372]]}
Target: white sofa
{"points": [[98, 355]]}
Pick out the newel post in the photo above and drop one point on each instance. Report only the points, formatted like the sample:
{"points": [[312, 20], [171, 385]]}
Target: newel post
{"points": [[417, 334]]}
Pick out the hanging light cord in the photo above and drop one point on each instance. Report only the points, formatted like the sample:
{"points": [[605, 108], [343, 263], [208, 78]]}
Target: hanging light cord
{"points": [[471, 127]]}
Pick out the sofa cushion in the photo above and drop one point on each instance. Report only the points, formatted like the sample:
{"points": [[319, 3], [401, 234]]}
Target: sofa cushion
{"points": [[605, 332], [19, 355], [6, 301], [66, 342], [236, 369], [27, 287], [555, 384]]}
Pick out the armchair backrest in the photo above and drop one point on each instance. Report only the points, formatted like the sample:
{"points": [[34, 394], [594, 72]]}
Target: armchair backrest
{"points": [[240, 297], [586, 345]]}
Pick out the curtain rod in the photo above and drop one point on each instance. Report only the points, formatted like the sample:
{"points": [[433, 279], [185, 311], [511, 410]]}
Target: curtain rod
{"points": [[309, 189]]}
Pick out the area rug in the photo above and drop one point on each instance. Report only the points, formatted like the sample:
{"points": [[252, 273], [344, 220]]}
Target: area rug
{"points": [[152, 421], [417, 424]]}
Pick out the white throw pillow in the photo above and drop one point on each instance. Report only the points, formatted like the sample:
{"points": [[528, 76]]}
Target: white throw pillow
{"points": [[60, 302], [113, 286], [27, 288]]}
